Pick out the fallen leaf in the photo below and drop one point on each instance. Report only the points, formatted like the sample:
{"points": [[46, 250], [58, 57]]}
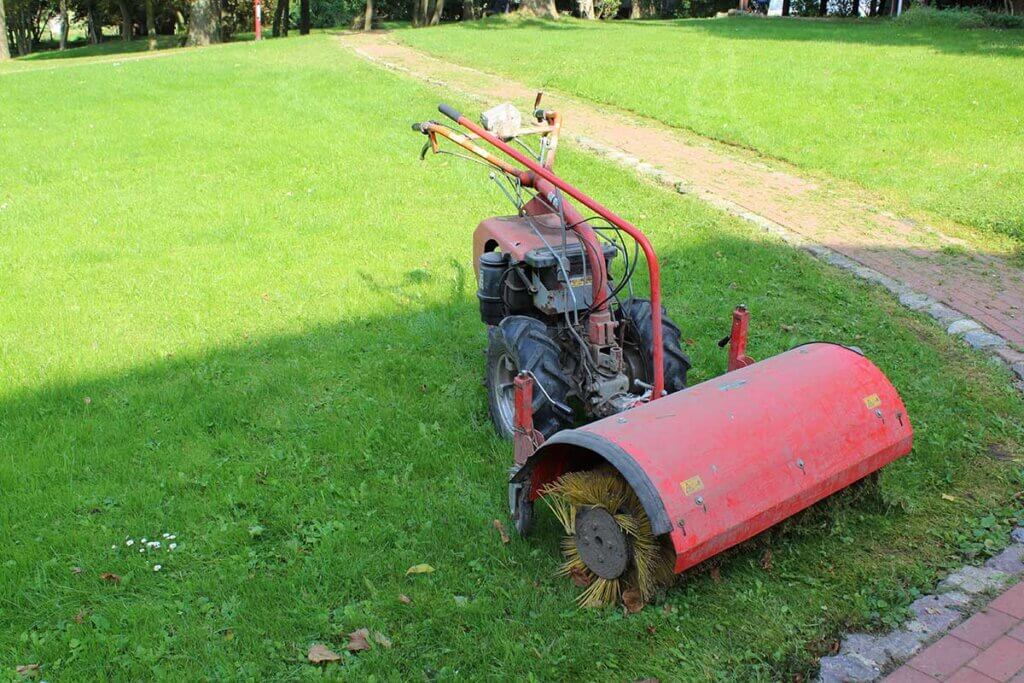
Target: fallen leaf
{"points": [[419, 569], [357, 640], [946, 496], [632, 600], [501, 530], [786, 328], [405, 599], [76, 570], [652, 630], [381, 639], [27, 670], [321, 654], [716, 575], [580, 577], [80, 617], [87, 400], [265, 296], [766, 560], [111, 577]]}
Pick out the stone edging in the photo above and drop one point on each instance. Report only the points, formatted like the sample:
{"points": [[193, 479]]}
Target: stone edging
{"points": [[865, 657], [955, 323]]}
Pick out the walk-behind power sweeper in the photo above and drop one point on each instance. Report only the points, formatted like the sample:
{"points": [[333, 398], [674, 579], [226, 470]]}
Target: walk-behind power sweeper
{"points": [[648, 477]]}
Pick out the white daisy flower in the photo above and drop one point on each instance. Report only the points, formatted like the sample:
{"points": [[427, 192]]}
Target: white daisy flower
{"points": [[129, 542]]}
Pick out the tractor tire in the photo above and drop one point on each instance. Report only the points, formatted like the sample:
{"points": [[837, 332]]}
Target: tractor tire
{"points": [[638, 335], [519, 343]]}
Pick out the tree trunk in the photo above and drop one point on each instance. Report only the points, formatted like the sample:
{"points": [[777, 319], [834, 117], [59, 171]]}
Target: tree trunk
{"points": [[278, 8], [634, 10], [437, 11], [420, 13], [468, 10], [785, 8], [855, 9], [539, 8], [64, 27], [91, 26], [126, 20], [304, 17], [823, 8], [202, 23], [368, 16], [586, 8], [150, 25], [5, 49]]}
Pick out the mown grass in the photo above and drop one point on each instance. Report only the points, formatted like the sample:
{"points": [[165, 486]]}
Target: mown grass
{"points": [[928, 115], [237, 309]]}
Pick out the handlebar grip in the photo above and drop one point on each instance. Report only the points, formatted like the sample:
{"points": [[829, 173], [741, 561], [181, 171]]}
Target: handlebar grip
{"points": [[450, 112], [418, 127]]}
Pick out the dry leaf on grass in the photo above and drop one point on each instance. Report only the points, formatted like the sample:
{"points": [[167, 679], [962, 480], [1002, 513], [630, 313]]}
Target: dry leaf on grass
{"points": [[27, 670], [405, 599], [419, 569], [580, 577], [321, 654], [946, 496], [111, 577], [766, 560], [716, 575], [357, 640], [77, 570], [501, 530], [381, 639], [79, 617], [632, 600]]}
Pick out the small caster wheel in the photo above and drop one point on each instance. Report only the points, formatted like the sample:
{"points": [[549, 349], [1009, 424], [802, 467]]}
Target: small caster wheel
{"points": [[521, 509]]}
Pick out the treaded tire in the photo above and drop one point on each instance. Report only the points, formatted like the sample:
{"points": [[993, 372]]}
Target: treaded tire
{"points": [[636, 315], [523, 343]]}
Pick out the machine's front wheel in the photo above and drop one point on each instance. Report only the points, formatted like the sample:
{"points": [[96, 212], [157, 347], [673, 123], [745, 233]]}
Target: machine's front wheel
{"points": [[521, 344], [635, 315]]}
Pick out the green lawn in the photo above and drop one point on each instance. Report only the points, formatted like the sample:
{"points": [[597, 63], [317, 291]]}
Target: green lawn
{"points": [[928, 116], [238, 309]]}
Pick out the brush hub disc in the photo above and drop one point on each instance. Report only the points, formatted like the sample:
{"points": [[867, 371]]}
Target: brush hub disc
{"points": [[601, 542]]}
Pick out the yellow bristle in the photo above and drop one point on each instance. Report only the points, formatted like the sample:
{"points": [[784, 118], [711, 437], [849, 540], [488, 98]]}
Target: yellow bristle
{"points": [[651, 565]]}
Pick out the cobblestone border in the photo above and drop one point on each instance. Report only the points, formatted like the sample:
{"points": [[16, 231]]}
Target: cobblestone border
{"points": [[866, 657], [955, 323]]}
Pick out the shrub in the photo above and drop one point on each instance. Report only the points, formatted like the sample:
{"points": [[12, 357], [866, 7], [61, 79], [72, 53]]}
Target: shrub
{"points": [[965, 18]]}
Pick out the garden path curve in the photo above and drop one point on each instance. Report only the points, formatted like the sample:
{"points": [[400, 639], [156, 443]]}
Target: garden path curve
{"points": [[922, 259]]}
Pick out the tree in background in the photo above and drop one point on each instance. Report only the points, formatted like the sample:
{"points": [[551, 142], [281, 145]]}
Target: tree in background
{"points": [[65, 24], [368, 16], [203, 24], [539, 8], [150, 25], [303, 17], [5, 49]]}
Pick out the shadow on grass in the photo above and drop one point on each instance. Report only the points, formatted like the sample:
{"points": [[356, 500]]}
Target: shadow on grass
{"points": [[878, 32], [306, 469]]}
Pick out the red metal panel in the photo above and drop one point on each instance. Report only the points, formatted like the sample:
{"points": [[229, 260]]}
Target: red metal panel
{"points": [[734, 455]]}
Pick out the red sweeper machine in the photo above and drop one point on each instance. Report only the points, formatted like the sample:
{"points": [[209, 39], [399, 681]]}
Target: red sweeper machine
{"points": [[647, 476]]}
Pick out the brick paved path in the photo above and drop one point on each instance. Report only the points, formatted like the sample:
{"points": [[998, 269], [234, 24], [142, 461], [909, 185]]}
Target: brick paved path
{"points": [[982, 286], [987, 647]]}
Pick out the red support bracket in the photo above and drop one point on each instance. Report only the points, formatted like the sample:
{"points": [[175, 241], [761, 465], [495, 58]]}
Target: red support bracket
{"points": [[526, 439], [737, 338]]}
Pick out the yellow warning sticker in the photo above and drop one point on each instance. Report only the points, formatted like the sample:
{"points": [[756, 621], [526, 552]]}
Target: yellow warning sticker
{"points": [[692, 485], [872, 401]]}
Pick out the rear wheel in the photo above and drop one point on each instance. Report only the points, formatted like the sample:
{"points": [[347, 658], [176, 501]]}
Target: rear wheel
{"points": [[638, 349], [517, 344]]}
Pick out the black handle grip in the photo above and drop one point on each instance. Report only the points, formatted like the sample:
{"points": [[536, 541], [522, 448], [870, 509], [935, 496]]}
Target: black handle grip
{"points": [[450, 112]]}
